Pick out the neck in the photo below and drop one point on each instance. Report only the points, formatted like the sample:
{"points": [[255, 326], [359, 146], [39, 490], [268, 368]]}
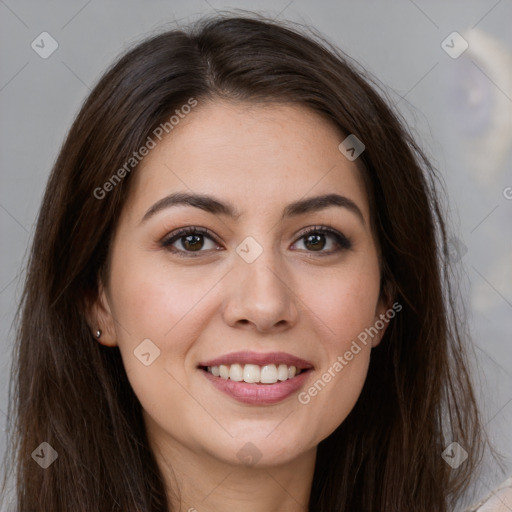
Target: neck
{"points": [[198, 482]]}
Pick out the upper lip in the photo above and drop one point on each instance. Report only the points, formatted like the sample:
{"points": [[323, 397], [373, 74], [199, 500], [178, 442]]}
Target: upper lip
{"points": [[261, 359]]}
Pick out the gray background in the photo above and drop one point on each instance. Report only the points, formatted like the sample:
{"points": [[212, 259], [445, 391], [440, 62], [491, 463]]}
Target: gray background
{"points": [[459, 108]]}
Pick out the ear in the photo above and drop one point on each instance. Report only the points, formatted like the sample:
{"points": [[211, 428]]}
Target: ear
{"points": [[384, 312], [99, 318]]}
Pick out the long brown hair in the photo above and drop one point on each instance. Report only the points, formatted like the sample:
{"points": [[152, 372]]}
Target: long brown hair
{"points": [[73, 392]]}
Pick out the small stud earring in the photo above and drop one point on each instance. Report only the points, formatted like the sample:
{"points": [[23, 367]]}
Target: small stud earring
{"points": [[98, 333]]}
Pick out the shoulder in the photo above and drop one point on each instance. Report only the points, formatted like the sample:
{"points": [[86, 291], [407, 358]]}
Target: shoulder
{"points": [[499, 500]]}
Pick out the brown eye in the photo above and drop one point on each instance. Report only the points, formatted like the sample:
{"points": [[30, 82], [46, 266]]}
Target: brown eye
{"points": [[315, 242], [317, 238], [192, 242], [189, 240]]}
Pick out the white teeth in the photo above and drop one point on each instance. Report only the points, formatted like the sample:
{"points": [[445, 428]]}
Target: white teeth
{"points": [[282, 372], [224, 371], [236, 372], [252, 373], [269, 374]]}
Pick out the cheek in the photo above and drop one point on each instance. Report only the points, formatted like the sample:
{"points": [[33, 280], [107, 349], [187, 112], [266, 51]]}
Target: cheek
{"points": [[151, 308], [346, 304], [345, 307], [333, 394], [154, 301]]}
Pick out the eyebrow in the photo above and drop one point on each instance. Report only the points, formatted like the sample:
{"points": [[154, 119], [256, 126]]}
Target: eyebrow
{"points": [[215, 206]]}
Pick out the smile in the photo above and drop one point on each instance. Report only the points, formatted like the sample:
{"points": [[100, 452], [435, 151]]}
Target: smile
{"points": [[257, 379], [254, 374]]}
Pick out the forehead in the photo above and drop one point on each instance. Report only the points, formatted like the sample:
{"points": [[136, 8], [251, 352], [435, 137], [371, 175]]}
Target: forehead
{"points": [[254, 155]]}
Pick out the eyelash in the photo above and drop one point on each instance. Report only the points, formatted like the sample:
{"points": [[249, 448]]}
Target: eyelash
{"points": [[342, 241]]}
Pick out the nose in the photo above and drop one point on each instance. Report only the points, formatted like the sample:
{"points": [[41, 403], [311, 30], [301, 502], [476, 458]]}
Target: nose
{"points": [[261, 295]]}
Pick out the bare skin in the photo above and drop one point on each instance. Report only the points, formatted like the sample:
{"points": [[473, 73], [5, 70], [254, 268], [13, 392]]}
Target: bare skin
{"points": [[304, 295]]}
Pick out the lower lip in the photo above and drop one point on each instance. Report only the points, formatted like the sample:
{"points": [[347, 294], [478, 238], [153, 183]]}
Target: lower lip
{"points": [[258, 394]]}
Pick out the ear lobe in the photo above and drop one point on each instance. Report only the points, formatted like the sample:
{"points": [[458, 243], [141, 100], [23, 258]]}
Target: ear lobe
{"points": [[99, 318]]}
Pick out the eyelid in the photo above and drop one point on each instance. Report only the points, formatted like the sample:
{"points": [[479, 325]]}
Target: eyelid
{"points": [[175, 235], [343, 242]]}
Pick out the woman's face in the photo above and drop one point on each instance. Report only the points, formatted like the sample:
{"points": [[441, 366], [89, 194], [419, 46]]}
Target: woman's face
{"points": [[252, 298]]}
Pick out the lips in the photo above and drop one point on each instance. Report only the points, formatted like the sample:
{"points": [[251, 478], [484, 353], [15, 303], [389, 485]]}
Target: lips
{"points": [[243, 358], [257, 379]]}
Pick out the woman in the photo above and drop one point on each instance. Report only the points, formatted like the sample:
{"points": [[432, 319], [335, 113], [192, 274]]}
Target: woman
{"points": [[237, 297]]}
